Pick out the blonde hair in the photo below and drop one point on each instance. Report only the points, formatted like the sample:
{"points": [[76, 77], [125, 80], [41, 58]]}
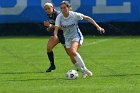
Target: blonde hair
{"points": [[48, 4]]}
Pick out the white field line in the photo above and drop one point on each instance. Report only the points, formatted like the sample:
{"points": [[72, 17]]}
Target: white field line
{"points": [[96, 42]]}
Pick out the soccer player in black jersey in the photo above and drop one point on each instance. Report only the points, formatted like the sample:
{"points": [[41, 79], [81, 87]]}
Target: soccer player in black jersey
{"points": [[50, 24]]}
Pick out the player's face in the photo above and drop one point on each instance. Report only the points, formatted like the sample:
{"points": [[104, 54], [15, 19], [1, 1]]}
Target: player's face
{"points": [[64, 9], [49, 9]]}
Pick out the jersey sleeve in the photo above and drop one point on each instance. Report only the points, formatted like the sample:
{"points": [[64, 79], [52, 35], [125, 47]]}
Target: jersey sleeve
{"points": [[57, 21], [79, 16]]}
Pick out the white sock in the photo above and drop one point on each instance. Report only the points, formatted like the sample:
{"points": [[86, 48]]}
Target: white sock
{"points": [[80, 61], [78, 66]]}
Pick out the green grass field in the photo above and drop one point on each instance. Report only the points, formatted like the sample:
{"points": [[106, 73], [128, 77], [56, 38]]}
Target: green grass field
{"points": [[115, 62]]}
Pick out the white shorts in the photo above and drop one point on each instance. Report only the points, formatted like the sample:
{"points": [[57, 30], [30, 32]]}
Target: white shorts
{"points": [[68, 41]]}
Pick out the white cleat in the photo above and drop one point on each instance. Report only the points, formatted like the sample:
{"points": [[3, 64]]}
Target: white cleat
{"points": [[86, 73], [89, 73]]}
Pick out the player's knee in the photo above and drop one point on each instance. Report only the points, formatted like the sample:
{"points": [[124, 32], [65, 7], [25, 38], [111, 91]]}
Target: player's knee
{"points": [[73, 52], [49, 49], [68, 53]]}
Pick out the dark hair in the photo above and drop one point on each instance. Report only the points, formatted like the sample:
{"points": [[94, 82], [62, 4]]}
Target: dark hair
{"points": [[66, 3]]}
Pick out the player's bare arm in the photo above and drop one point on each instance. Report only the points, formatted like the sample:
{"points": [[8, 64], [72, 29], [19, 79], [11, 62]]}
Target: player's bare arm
{"points": [[48, 25], [94, 23], [56, 31]]}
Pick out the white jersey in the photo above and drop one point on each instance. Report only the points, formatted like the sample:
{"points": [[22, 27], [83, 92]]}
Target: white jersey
{"points": [[70, 24]]}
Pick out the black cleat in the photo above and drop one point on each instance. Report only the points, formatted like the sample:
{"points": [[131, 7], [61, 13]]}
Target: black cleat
{"points": [[51, 68]]}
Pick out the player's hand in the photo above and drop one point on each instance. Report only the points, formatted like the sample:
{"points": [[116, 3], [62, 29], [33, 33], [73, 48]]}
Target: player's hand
{"points": [[101, 30], [47, 24], [48, 29], [55, 37]]}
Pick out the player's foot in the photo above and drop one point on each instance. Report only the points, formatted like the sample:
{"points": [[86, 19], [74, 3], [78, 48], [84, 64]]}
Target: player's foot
{"points": [[51, 68], [86, 73], [89, 73]]}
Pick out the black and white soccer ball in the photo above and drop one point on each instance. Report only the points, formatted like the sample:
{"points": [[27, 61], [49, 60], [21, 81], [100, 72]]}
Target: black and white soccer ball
{"points": [[72, 74]]}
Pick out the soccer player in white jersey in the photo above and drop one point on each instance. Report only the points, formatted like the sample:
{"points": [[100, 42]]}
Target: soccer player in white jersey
{"points": [[68, 21]]}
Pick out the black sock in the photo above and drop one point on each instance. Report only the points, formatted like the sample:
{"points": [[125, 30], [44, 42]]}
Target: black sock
{"points": [[51, 58]]}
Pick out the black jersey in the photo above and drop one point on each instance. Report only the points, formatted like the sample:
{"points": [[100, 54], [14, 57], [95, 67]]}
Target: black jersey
{"points": [[51, 20], [52, 17]]}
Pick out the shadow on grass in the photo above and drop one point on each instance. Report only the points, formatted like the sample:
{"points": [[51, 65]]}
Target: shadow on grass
{"points": [[21, 73], [119, 75], [53, 78], [36, 79], [29, 79]]}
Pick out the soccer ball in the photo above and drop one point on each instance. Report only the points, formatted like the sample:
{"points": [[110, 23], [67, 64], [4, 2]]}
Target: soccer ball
{"points": [[72, 74]]}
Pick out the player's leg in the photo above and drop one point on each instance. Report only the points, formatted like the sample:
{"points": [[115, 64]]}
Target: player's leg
{"points": [[68, 50], [74, 48], [71, 57], [51, 44], [62, 41]]}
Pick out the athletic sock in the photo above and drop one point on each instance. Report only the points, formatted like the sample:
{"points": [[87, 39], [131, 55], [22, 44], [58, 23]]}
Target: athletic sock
{"points": [[78, 66], [51, 58], [80, 61]]}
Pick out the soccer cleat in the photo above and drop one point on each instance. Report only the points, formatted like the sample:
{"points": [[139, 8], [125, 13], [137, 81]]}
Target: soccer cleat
{"points": [[86, 73], [51, 68], [89, 73]]}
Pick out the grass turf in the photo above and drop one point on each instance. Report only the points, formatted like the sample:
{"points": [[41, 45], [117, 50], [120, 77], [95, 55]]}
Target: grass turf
{"points": [[115, 62]]}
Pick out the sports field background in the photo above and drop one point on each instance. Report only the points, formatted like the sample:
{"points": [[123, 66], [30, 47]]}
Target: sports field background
{"points": [[115, 62]]}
